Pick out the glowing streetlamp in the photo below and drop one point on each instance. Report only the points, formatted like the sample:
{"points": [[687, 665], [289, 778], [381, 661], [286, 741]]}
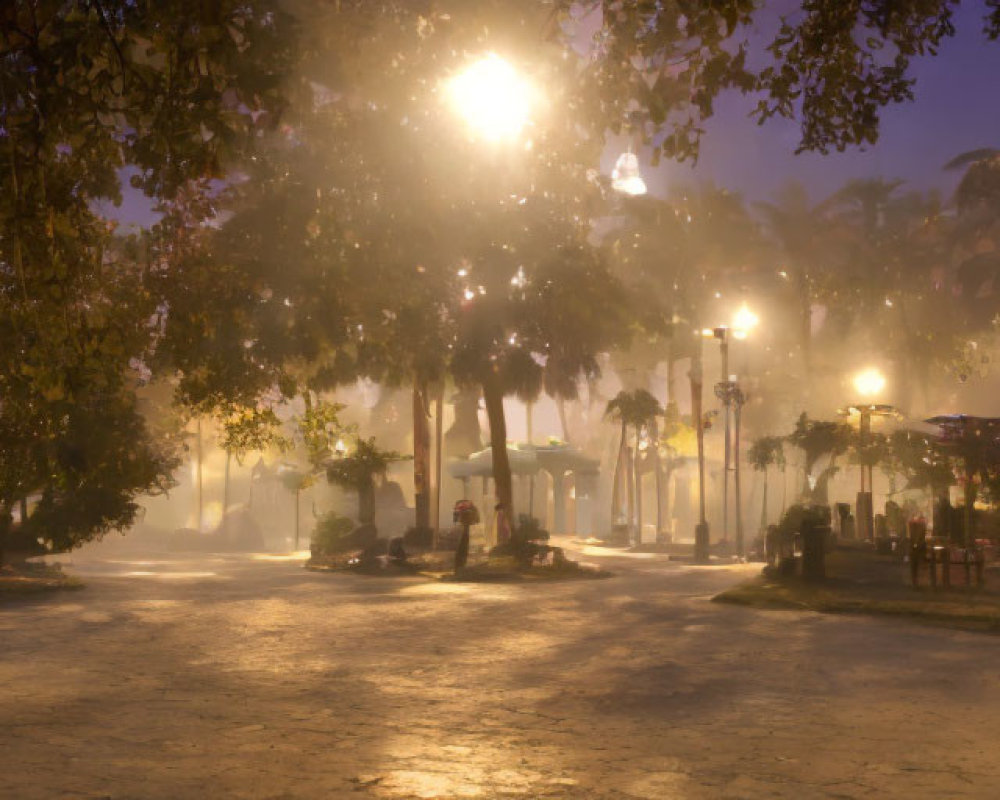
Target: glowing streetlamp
{"points": [[744, 322], [493, 99], [626, 178], [869, 383]]}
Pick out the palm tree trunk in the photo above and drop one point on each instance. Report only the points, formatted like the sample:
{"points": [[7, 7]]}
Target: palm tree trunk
{"points": [[198, 455], [638, 488], [438, 440], [5, 523], [654, 434], [297, 491], [619, 476], [671, 385], [630, 477], [493, 398], [421, 455], [763, 507]]}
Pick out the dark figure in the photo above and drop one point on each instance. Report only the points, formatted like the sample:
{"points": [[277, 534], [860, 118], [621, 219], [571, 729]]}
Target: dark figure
{"points": [[466, 515], [397, 552], [916, 530], [462, 551]]}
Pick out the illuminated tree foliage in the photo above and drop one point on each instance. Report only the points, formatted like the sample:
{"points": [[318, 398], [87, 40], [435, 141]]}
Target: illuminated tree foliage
{"points": [[85, 89], [831, 64]]}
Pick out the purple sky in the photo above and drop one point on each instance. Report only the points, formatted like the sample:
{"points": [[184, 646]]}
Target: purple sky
{"points": [[956, 108]]}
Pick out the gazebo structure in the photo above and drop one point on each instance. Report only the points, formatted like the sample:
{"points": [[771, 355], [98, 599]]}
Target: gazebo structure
{"points": [[558, 459]]}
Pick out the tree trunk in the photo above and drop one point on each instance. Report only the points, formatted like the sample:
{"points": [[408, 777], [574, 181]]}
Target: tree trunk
{"points": [[530, 432], [619, 476], [630, 485], [493, 397], [637, 462], [198, 456], [763, 508], [421, 455], [438, 441], [5, 523], [654, 434], [297, 491]]}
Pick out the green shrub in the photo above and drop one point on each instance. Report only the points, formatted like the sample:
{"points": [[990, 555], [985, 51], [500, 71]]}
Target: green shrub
{"points": [[529, 529], [330, 533], [800, 515]]}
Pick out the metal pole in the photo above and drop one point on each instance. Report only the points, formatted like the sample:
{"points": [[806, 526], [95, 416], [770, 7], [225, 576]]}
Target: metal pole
{"points": [[736, 473], [726, 403], [869, 525], [701, 536]]}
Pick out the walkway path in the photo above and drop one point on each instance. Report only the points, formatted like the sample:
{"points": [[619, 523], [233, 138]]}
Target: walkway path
{"points": [[230, 676]]}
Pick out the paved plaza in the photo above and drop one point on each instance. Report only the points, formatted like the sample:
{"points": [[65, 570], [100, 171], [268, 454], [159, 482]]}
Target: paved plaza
{"points": [[240, 676]]}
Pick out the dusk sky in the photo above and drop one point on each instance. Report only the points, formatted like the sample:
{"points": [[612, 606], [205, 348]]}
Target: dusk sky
{"points": [[956, 108]]}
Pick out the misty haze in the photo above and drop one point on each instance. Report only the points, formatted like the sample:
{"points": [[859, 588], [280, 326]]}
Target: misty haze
{"points": [[502, 399]]}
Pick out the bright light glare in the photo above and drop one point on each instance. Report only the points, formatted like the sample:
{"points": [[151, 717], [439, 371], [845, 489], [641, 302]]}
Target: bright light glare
{"points": [[869, 383], [492, 98], [745, 320], [625, 177]]}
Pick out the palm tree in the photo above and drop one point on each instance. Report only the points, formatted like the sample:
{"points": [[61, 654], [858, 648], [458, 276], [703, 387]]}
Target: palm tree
{"points": [[359, 470], [978, 201], [635, 410], [765, 452], [979, 188], [818, 438]]}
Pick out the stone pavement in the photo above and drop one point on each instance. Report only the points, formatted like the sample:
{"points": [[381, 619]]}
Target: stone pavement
{"points": [[242, 677]]}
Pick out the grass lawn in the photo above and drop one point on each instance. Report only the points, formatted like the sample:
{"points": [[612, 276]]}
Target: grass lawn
{"points": [[26, 578], [860, 582]]}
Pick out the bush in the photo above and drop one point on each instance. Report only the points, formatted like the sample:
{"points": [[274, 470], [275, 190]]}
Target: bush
{"points": [[331, 534], [799, 516], [529, 529], [526, 541], [418, 537]]}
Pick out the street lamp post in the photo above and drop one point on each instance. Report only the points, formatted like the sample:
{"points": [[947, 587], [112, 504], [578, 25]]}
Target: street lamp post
{"points": [[723, 390], [701, 529], [733, 398], [869, 383]]}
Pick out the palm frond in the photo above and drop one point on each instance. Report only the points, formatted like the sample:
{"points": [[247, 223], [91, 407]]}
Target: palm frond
{"points": [[972, 157]]}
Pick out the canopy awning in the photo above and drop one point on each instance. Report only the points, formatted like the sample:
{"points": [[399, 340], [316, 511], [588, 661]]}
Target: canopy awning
{"points": [[526, 459]]}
